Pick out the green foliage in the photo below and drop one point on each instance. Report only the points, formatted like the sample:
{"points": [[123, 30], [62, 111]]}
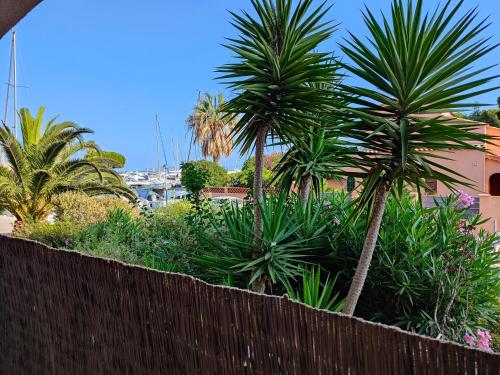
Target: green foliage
{"points": [[292, 236], [85, 210], [316, 155], [194, 178], [489, 116], [217, 175], [414, 65], [61, 234], [120, 236], [431, 272], [314, 293], [46, 164], [110, 158], [245, 176], [275, 63]]}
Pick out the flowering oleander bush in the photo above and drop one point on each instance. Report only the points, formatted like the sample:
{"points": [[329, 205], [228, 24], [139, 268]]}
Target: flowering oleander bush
{"points": [[464, 200], [481, 341], [434, 271]]}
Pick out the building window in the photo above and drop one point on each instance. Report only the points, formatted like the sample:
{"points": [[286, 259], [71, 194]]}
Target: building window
{"points": [[351, 183], [432, 186]]}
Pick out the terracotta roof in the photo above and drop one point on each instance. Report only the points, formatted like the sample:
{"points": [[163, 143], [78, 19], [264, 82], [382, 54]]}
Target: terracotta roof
{"points": [[12, 11]]}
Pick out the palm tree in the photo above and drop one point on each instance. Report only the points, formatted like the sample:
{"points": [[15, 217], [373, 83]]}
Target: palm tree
{"points": [[276, 63], [44, 165], [212, 127], [416, 67]]}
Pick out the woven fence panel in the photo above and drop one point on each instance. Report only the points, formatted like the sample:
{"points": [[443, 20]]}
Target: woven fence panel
{"points": [[66, 313]]}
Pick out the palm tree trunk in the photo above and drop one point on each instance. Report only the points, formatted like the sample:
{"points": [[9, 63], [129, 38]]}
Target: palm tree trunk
{"points": [[305, 189], [258, 285], [368, 248], [216, 160]]}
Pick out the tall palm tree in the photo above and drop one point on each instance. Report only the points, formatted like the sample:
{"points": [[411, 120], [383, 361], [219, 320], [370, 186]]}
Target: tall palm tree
{"points": [[275, 64], [416, 66], [212, 127], [45, 164]]}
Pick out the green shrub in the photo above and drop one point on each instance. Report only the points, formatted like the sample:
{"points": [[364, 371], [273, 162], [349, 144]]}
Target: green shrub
{"points": [[170, 238], [171, 215], [61, 234], [120, 236], [433, 271], [84, 210]]}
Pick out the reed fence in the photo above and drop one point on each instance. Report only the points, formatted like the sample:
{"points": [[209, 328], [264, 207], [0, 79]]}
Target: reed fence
{"points": [[66, 313]]}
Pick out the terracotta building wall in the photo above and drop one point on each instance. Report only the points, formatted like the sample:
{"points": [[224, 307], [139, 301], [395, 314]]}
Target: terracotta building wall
{"points": [[468, 163], [495, 147], [490, 208]]}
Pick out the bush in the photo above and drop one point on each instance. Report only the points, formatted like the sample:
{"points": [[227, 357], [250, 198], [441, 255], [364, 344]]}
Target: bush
{"points": [[433, 271], [84, 210], [120, 236], [61, 234]]}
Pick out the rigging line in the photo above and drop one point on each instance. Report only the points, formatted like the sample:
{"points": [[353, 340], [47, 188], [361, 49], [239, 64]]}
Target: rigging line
{"points": [[162, 143], [8, 85]]}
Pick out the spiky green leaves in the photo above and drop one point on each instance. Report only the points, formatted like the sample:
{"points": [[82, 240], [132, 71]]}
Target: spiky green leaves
{"points": [[416, 66], [275, 64]]}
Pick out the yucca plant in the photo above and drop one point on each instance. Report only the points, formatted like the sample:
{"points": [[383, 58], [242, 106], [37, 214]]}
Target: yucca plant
{"points": [[315, 293], [44, 165], [314, 157], [416, 66], [229, 251], [276, 63]]}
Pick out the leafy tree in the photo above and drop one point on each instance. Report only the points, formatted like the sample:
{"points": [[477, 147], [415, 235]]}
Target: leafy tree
{"points": [[216, 175], [194, 179], [44, 165], [212, 127], [414, 64], [276, 61], [246, 176], [489, 116]]}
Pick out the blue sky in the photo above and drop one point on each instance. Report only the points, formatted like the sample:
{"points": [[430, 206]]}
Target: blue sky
{"points": [[112, 65]]}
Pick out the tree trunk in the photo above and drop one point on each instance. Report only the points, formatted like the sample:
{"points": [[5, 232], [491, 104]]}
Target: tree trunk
{"points": [[365, 259], [258, 285], [305, 189], [216, 159]]}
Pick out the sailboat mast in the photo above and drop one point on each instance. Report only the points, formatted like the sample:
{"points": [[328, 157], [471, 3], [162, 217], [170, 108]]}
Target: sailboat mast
{"points": [[14, 49], [5, 116], [158, 143]]}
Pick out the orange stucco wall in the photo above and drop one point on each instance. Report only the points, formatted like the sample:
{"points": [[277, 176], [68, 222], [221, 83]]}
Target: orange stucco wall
{"points": [[468, 163], [495, 147], [490, 208]]}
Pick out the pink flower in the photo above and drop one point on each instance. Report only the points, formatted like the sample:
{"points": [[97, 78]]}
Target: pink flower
{"points": [[464, 200], [483, 340], [470, 340]]}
